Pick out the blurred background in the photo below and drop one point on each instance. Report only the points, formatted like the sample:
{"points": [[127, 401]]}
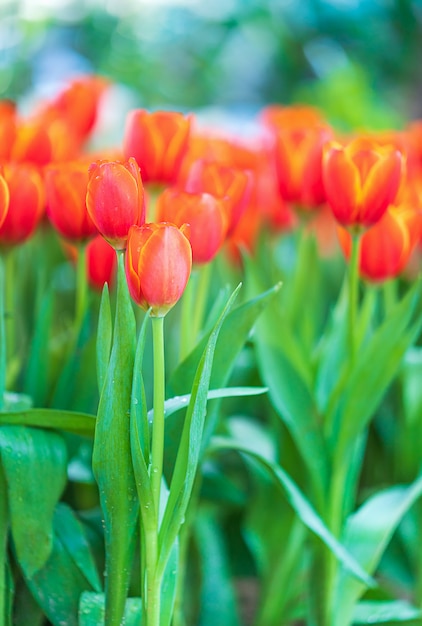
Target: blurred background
{"points": [[359, 60]]}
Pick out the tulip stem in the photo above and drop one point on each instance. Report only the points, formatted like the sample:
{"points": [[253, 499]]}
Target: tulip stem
{"points": [[2, 336], [353, 293], [204, 276], [81, 290], [186, 318], [157, 444]]}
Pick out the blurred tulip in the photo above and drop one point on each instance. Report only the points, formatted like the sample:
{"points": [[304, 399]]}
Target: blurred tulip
{"points": [[205, 214], [386, 247], [101, 262], [115, 199], [361, 180], [66, 187], [158, 141], [32, 144], [233, 185], [4, 199], [158, 265], [297, 136], [27, 203], [8, 122], [78, 103]]}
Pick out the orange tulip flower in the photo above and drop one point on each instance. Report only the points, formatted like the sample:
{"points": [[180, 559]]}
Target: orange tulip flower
{"points": [[27, 203], [158, 141], [297, 135], [361, 180], [66, 187], [386, 247], [115, 199], [158, 265], [205, 214], [231, 184], [4, 199]]}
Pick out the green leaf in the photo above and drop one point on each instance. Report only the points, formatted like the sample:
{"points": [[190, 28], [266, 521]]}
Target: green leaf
{"points": [[367, 533], [293, 400], [36, 382], [71, 534], [172, 405], [382, 612], [15, 402], [412, 389], [190, 445], [91, 610], [377, 364], [104, 337], [31, 459], [58, 585], [70, 421], [218, 600], [298, 502], [112, 464], [234, 333]]}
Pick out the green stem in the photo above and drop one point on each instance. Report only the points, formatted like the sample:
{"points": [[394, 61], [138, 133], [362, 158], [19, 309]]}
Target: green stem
{"points": [[3, 356], [204, 277], [81, 295], [157, 444], [152, 589], [353, 294], [186, 318]]}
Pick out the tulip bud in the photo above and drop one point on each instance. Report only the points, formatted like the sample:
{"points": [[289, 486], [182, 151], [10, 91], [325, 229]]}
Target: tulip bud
{"points": [[115, 199], [158, 265]]}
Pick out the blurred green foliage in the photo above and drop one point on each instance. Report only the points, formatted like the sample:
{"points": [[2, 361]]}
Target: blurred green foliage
{"points": [[357, 59]]}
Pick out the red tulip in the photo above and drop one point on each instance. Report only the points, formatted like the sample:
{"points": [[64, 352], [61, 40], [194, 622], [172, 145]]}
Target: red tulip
{"points": [[115, 199], [361, 180], [158, 265], [4, 199], [27, 202], [205, 214], [158, 141], [8, 122], [101, 262], [231, 184], [66, 186]]}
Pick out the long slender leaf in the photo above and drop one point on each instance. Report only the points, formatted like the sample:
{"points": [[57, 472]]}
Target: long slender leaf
{"points": [[70, 421], [366, 536], [112, 464], [385, 612], [29, 456], [190, 445], [104, 337], [299, 503]]}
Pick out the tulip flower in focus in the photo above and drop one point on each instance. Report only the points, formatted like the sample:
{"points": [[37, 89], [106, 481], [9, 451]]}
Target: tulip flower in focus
{"points": [[4, 199], [66, 187], [228, 183], [205, 214], [158, 141], [297, 136], [158, 265], [361, 180], [115, 199], [27, 203]]}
